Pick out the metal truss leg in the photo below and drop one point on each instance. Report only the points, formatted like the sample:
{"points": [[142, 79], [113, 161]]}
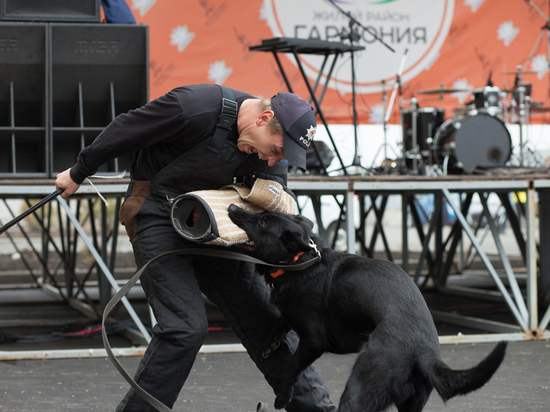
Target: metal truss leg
{"points": [[426, 240], [103, 267], [466, 227], [504, 258], [350, 217], [531, 259]]}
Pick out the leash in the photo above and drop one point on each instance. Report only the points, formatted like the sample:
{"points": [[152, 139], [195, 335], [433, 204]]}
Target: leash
{"points": [[225, 254], [30, 210]]}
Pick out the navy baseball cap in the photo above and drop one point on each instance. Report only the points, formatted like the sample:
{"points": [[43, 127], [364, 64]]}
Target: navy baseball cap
{"points": [[299, 125]]}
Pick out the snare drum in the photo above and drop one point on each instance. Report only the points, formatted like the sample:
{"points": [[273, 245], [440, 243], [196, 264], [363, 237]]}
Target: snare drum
{"points": [[427, 122], [488, 100]]}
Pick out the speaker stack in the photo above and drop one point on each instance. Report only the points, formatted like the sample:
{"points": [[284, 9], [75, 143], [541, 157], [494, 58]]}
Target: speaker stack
{"points": [[64, 77]]}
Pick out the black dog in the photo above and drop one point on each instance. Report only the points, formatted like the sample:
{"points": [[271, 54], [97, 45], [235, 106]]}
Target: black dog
{"points": [[346, 304]]}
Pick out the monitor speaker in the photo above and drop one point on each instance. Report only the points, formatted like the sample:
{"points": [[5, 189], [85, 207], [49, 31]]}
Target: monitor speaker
{"points": [[97, 72], [51, 10], [23, 100], [61, 84]]}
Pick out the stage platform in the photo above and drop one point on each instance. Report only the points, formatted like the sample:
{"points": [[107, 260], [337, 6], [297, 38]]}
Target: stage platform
{"points": [[524, 289]]}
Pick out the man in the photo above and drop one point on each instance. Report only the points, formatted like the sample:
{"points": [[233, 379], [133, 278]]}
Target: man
{"points": [[179, 148]]}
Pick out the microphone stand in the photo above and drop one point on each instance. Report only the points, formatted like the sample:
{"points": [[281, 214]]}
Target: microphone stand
{"points": [[353, 37], [387, 110]]}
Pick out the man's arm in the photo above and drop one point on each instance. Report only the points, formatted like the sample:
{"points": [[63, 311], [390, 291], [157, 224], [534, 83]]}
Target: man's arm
{"points": [[158, 121]]}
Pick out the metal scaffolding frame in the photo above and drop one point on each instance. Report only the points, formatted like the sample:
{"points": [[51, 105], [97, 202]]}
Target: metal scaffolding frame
{"points": [[96, 241], [525, 311], [354, 190]]}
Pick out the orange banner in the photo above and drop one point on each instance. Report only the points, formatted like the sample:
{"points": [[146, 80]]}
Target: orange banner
{"points": [[463, 46]]}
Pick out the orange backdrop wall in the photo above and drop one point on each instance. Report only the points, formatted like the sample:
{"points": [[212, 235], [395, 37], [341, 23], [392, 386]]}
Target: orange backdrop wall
{"points": [[460, 44]]}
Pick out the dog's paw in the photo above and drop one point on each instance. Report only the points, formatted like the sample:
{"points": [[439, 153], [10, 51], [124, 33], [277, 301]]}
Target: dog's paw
{"points": [[284, 398], [281, 403], [272, 348]]}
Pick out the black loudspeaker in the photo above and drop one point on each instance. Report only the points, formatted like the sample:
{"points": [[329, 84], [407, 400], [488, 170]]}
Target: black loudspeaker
{"points": [[97, 72], [23, 100], [51, 10]]}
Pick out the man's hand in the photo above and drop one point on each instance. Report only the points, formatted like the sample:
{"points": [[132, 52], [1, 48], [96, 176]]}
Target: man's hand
{"points": [[196, 214], [65, 182]]}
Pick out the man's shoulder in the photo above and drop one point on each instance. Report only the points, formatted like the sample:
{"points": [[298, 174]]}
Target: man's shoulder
{"points": [[207, 91]]}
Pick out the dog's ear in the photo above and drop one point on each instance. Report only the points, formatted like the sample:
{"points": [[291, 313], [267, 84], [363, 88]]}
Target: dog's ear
{"points": [[303, 221], [296, 241]]}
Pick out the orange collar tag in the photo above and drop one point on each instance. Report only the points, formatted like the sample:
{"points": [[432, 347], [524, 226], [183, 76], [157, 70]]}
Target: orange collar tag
{"points": [[281, 271]]}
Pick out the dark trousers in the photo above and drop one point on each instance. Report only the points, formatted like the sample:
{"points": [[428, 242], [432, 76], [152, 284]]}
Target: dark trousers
{"points": [[173, 287]]}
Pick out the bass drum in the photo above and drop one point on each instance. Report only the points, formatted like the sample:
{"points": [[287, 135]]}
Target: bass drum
{"points": [[464, 144]]}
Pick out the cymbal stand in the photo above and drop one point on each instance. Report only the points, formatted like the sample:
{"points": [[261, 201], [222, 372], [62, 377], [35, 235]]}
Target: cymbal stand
{"points": [[415, 150], [504, 97], [521, 114], [353, 36], [385, 145], [387, 110], [385, 128], [547, 28], [522, 107]]}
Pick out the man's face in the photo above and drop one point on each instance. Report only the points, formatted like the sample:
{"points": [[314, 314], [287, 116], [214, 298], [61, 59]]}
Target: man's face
{"points": [[259, 139]]}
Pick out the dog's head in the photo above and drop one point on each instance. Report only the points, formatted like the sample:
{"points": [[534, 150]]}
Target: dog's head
{"points": [[276, 237]]}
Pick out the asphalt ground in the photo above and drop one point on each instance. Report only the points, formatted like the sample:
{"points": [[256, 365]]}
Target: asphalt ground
{"points": [[231, 382]]}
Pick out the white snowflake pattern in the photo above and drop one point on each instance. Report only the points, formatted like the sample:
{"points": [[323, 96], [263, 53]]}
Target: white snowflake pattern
{"points": [[181, 37], [143, 6], [540, 65], [507, 32], [263, 11], [218, 72], [377, 114], [474, 4], [462, 84]]}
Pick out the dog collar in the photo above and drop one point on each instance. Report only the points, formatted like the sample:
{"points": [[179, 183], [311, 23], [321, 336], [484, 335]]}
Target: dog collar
{"points": [[281, 271]]}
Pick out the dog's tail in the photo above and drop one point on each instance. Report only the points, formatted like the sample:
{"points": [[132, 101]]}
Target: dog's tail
{"points": [[449, 383]]}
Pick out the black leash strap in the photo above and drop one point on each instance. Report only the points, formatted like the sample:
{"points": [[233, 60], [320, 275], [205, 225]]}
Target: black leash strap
{"points": [[30, 210], [226, 254]]}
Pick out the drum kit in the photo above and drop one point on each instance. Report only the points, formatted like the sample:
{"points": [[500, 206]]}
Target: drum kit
{"points": [[475, 136]]}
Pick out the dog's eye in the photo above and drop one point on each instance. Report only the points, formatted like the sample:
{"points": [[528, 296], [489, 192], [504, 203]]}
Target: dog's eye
{"points": [[263, 222]]}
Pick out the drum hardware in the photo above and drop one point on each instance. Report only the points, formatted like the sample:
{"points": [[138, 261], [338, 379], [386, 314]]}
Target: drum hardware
{"points": [[387, 164], [523, 107], [443, 90], [545, 28], [428, 120], [413, 152], [520, 103], [488, 100], [520, 71], [387, 110], [539, 109]]}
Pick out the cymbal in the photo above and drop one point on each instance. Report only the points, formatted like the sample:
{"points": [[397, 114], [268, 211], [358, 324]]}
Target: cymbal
{"points": [[521, 72], [539, 109], [513, 89], [442, 90]]}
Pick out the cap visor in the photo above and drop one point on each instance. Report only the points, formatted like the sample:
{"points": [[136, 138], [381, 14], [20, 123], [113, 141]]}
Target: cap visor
{"points": [[294, 153]]}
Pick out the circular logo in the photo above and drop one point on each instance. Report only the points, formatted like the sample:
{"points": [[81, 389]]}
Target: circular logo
{"points": [[415, 30]]}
